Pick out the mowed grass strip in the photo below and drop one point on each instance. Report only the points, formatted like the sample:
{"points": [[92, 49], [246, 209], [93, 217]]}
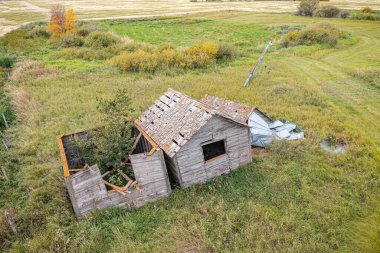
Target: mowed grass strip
{"points": [[298, 198]]}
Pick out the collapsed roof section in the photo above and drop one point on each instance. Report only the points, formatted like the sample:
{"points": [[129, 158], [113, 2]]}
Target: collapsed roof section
{"points": [[174, 118]]}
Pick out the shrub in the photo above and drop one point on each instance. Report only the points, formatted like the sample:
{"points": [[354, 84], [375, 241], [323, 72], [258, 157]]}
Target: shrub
{"points": [[365, 16], [38, 32], [201, 55], [170, 58], [71, 40], [110, 145], [226, 51], [16, 41], [32, 25], [366, 10], [327, 11], [344, 14], [145, 58], [207, 48], [136, 61], [83, 32], [164, 47], [100, 40], [323, 34], [307, 7], [7, 62], [85, 29]]}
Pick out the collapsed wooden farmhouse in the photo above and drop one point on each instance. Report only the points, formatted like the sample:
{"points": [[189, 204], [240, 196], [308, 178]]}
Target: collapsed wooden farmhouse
{"points": [[178, 137], [199, 142]]}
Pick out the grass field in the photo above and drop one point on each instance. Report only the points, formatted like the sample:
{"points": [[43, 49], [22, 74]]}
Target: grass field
{"points": [[297, 199], [14, 13]]}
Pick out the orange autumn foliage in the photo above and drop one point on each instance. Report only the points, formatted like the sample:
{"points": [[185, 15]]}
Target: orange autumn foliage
{"points": [[70, 22], [57, 20], [62, 21]]}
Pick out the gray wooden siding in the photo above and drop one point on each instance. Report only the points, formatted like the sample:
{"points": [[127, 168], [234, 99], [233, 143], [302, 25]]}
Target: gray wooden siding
{"points": [[151, 173], [172, 167], [88, 192], [85, 189], [194, 170]]}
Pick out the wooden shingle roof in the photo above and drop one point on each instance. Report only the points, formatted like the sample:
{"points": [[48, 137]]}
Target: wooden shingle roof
{"points": [[227, 108], [174, 118]]}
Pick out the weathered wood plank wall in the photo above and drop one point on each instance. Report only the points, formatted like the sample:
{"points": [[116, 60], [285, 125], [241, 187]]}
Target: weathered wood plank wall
{"points": [[88, 192], [191, 165]]}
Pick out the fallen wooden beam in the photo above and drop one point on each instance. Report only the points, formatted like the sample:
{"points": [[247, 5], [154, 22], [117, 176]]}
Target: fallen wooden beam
{"points": [[10, 221], [4, 171], [124, 175], [5, 121], [5, 144], [116, 188], [106, 173]]}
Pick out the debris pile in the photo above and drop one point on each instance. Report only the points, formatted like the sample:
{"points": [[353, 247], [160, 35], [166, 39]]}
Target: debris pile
{"points": [[338, 149], [264, 130]]}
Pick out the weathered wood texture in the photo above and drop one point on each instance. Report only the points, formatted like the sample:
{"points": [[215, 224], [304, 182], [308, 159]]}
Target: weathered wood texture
{"points": [[4, 171], [10, 221], [191, 167], [88, 192], [172, 167]]}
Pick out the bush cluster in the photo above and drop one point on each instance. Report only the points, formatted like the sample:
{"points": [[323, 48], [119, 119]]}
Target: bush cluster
{"points": [[312, 8], [6, 62], [307, 7], [366, 14], [71, 40], [327, 11], [38, 32], [323, 34], [101, 40], [147, 59]]}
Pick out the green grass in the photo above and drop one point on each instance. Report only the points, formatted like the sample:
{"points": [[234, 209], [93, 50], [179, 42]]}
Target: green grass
{"points": [[297, 199], [186, 32]]}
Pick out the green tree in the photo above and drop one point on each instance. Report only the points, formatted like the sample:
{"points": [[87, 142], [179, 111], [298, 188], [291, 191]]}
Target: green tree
{"points": [[109, 145]]}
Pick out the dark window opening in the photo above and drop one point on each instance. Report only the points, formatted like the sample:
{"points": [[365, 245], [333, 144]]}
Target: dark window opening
{"points": [[213, 150]]}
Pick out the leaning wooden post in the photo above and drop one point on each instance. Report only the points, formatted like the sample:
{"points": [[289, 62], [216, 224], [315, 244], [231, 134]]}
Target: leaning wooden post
{"points": [[4, 171], [5, 141], [5, 121], [5, 144], [10, 221]]}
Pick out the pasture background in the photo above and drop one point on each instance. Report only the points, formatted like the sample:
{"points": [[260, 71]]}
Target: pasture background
{"points": [[299, 198]]}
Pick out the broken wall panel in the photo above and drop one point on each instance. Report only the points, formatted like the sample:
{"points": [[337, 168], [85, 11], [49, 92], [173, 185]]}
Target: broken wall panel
{"points": [[87, 189]]}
